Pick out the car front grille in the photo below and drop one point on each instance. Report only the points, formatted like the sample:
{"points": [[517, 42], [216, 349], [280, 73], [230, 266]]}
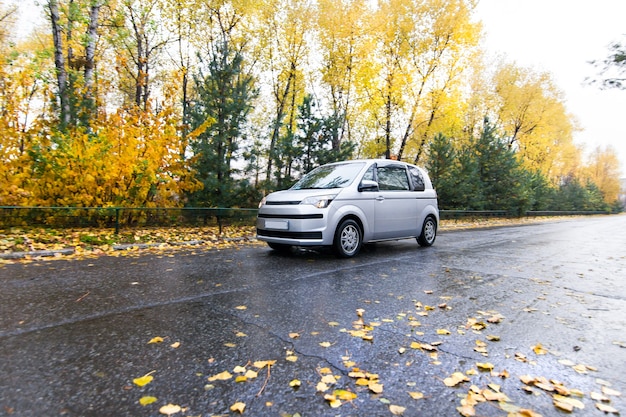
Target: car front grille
{"points": [[282, 203]]}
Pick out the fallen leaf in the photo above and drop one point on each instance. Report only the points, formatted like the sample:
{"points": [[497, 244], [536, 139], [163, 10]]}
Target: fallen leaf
{"points": [[295, 383], [596, 396], [569, 400], [329, 379], [250, 374], [496, 318], [147, 400], [294, 335], [416, 395], [494, 396], [539, 350], [170, 409], [321, 387], [157, 339], [263, 364], [443, 331], [455, 379], [238, 407], [376, 388], [606, 408], [466, 410], [563, 406], [239, 369], [241, 308], [222, 376], [344, 395], [484, 366], [325, 344], [608, 391], [175, 345], [396, 410], [333, 401], [144, 380]]}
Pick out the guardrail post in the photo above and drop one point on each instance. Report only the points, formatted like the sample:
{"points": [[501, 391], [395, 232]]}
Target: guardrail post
{"points": [[117, 220]]}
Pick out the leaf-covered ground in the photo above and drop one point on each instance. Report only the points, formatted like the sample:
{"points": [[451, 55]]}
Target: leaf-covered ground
{"points": [[23, 244]]}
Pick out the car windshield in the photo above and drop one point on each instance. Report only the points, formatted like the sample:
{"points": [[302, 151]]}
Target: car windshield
{"points": [[329, 176]]}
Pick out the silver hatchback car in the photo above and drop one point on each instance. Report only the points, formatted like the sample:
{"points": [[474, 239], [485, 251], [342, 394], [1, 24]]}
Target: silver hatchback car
{"points": [[346, 204]]}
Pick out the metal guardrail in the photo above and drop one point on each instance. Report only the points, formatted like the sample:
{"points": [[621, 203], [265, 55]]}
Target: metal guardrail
{"points": [[463, 214], [129, 217], [119, 217]]}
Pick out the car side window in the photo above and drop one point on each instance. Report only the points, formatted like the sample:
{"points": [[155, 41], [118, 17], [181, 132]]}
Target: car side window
{"points": [[392, 178], [418, 179], [369, 174]]}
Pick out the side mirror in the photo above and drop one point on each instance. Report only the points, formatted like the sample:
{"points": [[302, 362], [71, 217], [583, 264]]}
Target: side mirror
{"points": [[368, 185]]}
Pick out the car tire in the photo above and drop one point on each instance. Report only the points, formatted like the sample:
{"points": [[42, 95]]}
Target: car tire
{"points": [[279, 247], [348, 239], [429, 232]]}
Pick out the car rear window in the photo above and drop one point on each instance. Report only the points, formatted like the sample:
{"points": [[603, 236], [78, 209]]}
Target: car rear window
{"points": [[330, 176]]}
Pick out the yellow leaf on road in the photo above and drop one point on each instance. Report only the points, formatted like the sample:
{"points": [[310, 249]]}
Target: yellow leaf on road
{"points": [[170, 409], [321, 387], [238, 407], [568, 400], [222, 376], [375, 387], [295, 383], [325, 344], [333, 401], [250, 374], [455, 379], [416, 395], [609, 391], [484, 366], [147, 400], [263, 364], [329, 379], [606, 408], [344, 395], [396, 410], [156, 339], [144, 380]]}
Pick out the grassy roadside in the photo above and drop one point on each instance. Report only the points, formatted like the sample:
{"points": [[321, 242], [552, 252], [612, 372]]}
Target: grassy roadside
{"points": [[31, 243]]}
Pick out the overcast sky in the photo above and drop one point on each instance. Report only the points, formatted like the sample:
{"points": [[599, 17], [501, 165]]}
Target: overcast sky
{"points": [[561, 37]]}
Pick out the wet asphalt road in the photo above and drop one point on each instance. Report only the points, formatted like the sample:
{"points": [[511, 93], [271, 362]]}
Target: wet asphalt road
{"points": [[74, 334]]}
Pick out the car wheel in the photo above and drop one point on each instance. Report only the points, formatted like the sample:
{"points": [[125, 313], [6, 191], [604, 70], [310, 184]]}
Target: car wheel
{"points": [[279, 247], [348, 239], [429, 232]]}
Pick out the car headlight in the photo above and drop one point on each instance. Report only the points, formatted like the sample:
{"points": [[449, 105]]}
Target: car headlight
{"points": [[262, 202], [319, 201]]}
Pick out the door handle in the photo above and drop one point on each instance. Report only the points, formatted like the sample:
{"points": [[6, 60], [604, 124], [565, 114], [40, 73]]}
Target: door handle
{"points": [[380, 198]]}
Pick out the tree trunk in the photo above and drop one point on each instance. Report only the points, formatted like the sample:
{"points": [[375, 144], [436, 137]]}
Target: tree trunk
{"points": [[59, 63]]}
